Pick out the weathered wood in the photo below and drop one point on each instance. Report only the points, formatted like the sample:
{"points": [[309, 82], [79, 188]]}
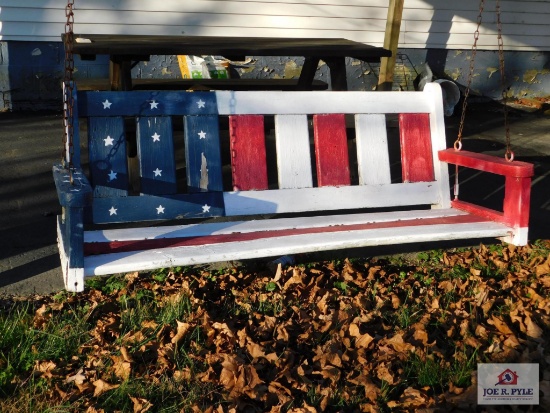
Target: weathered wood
{"points": [[248, 155], [107, 156], [293, 155], [157, 165], [202, 153], [331, 150], [301, 120], [302, 199], [416, 147], [372, 149], [391, 41], [295, 244]]}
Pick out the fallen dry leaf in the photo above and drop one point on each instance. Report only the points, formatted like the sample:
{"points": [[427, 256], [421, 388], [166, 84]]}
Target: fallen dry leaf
{"points": [[102, 387], [141, 405]]}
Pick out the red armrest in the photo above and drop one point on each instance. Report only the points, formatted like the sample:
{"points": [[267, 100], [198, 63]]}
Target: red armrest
{"points": [[487, 163]]}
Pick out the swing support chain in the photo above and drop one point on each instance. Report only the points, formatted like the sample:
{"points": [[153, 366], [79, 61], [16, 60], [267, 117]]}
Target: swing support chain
{"points": [[68, 96], [509, 154]]}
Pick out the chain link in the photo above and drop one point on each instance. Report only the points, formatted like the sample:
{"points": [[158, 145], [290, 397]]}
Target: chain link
{"points": [[68, 97], [458, 142], [509, 155]]}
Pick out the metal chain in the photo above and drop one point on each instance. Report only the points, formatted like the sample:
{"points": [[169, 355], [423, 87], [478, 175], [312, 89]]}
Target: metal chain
{"points": [[68, 98], [509, 155], [458, 142]]}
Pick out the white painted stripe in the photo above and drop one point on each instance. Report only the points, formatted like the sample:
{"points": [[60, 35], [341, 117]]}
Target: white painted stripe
{"points": [[373, 157], [293, 155], [178, 256], [434, 95], [321, 102], [330, 198], [73, 278], [221, 228]]}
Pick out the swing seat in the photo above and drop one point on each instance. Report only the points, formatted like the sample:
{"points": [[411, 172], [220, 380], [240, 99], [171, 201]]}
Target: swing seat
{"points": [[341, 170]]}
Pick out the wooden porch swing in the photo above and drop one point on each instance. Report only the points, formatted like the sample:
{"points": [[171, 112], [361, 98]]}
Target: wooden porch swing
{"points": [[324, 195]]}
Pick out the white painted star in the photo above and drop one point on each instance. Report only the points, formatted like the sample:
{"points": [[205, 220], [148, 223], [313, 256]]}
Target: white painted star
{"points": [[201, 103], [107, 104], [202, 135], [112, 211], [156, 137], [109, 141], [112, 176], [206, 208], [158, 172], [160, 209], [154, 104]]}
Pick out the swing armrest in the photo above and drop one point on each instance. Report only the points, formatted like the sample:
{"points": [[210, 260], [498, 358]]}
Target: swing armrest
{"points": [[78, 194], [487, 163], [517, 189]]}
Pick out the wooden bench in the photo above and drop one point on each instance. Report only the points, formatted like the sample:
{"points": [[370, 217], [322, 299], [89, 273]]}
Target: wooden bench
{"points": [[333, 168]]}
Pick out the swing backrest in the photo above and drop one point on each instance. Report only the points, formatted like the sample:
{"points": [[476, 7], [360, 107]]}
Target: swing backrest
{"points": [[202, 154]]}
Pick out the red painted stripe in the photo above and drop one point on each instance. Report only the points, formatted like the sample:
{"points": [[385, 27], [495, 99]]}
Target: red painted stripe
{"points": [[331, 150], [487, 163], [248, 155], [517, 194], [483, 212], [416, 147], [139, 245]]}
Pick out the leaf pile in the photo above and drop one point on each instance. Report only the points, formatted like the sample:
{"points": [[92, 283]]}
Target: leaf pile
{"points": [[374, 335]]}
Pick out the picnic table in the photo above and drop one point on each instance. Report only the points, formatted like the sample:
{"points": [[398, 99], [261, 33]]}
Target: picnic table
{"points": [[125, 49]]}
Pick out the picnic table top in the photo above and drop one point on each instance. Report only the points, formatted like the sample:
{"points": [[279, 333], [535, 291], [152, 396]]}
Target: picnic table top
{"points": [[136, 45]]}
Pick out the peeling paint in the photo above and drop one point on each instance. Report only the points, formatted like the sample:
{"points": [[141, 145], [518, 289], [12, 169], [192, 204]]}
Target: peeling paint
{"points": [[36, 52], [203, 184], [491, 71], [459, 52], [166, 71]]}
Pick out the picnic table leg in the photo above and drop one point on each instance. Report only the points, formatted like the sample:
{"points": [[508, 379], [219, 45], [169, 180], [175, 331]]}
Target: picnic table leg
{"points": [[120, 77], [120, 73], [337, 66], [308, 73]]}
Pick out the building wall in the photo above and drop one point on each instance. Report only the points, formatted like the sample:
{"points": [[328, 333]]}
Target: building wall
{"points": [[439, 32], [426, 23]]}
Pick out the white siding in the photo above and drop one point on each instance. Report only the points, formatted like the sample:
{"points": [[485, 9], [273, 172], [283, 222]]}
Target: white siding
{"points": [[426, 23]]}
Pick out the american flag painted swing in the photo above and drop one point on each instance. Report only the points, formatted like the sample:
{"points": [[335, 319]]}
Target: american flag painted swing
{"points": [[262, 174]]}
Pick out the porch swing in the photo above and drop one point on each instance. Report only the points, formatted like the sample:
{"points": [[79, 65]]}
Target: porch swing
{"points": [[314, 205]]}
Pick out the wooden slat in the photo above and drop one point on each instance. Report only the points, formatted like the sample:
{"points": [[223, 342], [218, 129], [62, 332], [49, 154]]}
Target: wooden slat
{"points": [[293, 155], [331, 150], [202, 154], [391, 41], [157, 164], [487, 163], [230, 227], [350, 102], [72, 153], [329, 198], [248, 155], [416, 148], [146, 103], [328, 230], [372, 149], [107, 155], [269, 247], [154, 208]]}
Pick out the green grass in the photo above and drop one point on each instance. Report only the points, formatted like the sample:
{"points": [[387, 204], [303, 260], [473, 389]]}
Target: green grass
{"points": [[136, 320]]}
